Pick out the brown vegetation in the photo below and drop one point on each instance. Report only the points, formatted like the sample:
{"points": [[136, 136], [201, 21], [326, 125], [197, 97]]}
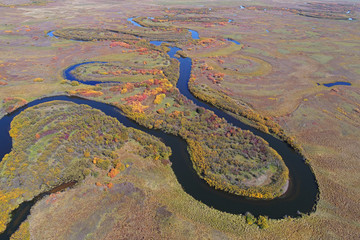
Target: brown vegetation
{"points": [[49, 147]]}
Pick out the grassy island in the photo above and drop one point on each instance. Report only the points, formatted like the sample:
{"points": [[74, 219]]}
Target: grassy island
{"points": [[226, 157]]}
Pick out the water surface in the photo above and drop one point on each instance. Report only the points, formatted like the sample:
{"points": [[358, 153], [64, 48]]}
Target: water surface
{"points": [[337, 83], [194, 34], [133, 22], [234, 41]]}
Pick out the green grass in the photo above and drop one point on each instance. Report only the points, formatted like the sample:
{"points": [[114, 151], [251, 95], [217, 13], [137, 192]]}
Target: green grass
{"points": [[312, 34], [308, 47], [221, 52], [134, 60], [12, 37], [321, 58], [256, 51], [169, 101], [40, 145], [283, 51], [92, 71], [346, 44], [282, 31], [355, 68]]}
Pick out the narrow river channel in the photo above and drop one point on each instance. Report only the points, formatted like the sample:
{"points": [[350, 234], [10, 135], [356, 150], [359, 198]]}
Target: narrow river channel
{"points": [[301, 196]]}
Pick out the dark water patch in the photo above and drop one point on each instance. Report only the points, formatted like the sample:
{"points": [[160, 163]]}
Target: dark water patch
{"points": [[337, 83], [234, 41]]}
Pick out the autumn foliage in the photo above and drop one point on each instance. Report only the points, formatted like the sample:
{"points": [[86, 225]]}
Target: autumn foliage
{"points": [[12, 103], [113, 172], [86, 93], [121, 44], [159, 98]]}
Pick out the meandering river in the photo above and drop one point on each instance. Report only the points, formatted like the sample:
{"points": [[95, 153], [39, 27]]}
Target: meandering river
{"points": [[301, 196]]}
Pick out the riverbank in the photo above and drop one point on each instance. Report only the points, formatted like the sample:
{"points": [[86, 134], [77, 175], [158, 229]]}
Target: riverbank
{"points": [[323, 120]]}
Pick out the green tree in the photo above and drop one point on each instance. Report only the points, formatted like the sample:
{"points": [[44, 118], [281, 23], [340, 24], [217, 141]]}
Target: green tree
{"points": [[262, 222]]}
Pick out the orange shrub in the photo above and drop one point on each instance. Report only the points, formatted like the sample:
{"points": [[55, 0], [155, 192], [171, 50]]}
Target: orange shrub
{"points": [[87, 92], [121, 44], [113, 172], [38, 80]]}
